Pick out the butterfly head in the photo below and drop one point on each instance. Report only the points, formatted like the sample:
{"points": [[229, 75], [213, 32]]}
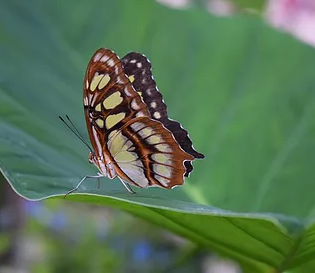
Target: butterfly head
{"points": [[92, 158]]}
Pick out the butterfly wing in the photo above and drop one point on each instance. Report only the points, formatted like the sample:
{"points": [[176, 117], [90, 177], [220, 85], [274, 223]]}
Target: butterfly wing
{"points": [[138, 68], [146, 154], [138, 149], [107, 97]]}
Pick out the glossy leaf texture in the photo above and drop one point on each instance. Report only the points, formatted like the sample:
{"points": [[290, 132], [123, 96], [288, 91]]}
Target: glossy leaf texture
{"points": [[244, 91]]}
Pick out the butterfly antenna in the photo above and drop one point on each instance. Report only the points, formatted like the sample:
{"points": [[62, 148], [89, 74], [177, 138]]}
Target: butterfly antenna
{"points": [[75, 131], [73, 126]]}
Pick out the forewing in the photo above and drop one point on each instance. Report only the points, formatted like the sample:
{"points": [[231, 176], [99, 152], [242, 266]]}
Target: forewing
{"points": [[146, 154], [138, 68], [109, 98]]}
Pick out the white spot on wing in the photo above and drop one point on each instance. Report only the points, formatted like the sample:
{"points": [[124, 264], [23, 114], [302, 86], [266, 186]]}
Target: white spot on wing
{"points": [[135, 105], [133, 61], [127, 92], [104, 58], [139, 65], [110, 63], [97, 57], [157, 115], [153, 104], [140, 114], [85, 101], [119, 80]]}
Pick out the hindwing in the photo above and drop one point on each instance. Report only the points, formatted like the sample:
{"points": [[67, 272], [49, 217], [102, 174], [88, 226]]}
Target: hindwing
{"points": [[146, 154], [138, 68]]}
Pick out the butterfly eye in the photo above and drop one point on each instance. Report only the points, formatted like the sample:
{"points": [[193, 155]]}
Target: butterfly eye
{"points": [[91, 157]]}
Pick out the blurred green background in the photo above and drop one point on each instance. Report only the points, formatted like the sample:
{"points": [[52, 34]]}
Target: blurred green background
{"points": [[243, 90]]}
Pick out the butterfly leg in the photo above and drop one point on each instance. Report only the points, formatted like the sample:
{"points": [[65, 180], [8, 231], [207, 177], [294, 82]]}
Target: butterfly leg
{"points": [[127, 186], [79, 184]]}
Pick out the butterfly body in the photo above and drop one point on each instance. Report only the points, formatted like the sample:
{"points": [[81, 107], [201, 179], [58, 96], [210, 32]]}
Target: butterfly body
{"points": [[127, 122], [103, 164]]}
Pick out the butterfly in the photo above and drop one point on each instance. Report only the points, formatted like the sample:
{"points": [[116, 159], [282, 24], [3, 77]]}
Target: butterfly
{"points": [[128, 126]]}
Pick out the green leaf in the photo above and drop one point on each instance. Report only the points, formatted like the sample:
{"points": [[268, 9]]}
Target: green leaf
{"points": [[244, 92]]}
